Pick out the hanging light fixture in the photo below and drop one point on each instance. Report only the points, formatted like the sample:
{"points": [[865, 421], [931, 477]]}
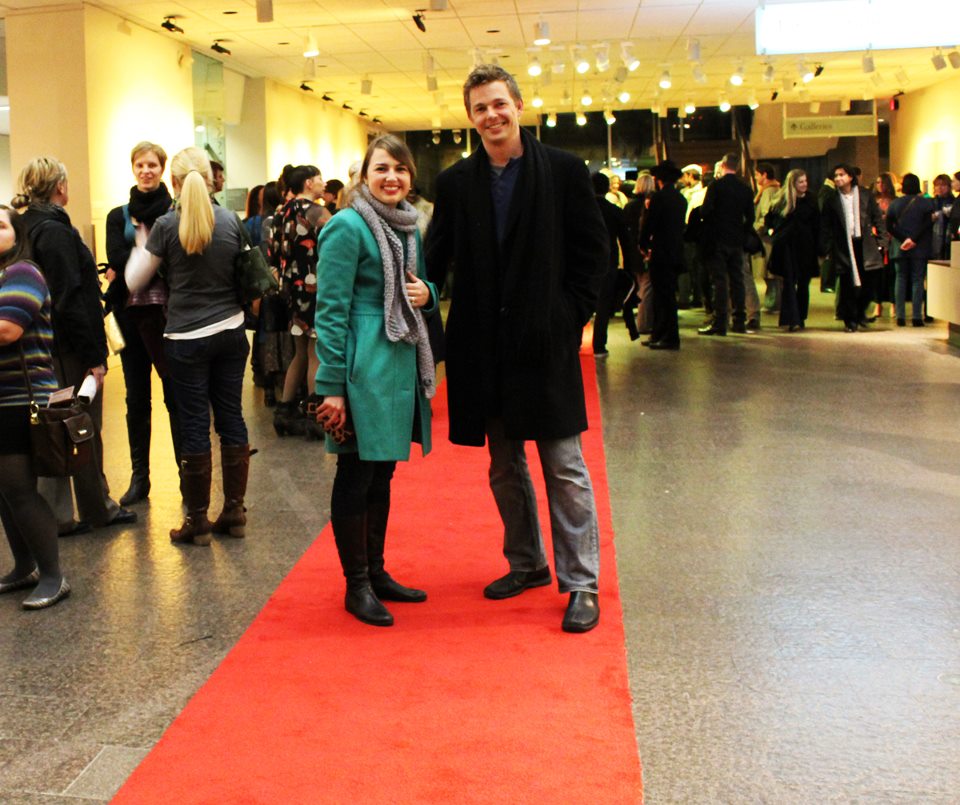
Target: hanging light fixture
{"points": [[867, 62], [768, 73], [665, 82], [954, 58], [724, 104], [534, 68], [582, 65], [603, 58], [541, 33], [624, 96], [693, 50], [310, 49], [609, 117], [586, 99], [805, 73], [264, 10], [537, 101], [581, 119], [552, 120], [698, 75], [689, 107], [938, 61], [753, 103], [736, 78], [631, 62], [366, 85]]}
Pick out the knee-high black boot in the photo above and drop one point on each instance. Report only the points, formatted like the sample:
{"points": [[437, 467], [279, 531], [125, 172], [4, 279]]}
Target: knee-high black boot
{"points": [[138, 434], [386, 588], [350, 533]]}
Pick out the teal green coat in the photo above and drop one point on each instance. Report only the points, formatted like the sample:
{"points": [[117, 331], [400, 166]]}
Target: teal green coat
{"points": [[377, 376]]}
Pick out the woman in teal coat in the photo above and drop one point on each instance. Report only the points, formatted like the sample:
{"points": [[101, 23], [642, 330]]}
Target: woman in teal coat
{"points": [[376, 372]]}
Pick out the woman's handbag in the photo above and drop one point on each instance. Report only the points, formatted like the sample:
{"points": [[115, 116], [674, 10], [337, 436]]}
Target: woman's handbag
{"points": [[254, 277], [61, 436]]}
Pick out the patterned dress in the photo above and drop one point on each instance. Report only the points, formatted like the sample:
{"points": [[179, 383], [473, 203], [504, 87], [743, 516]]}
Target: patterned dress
{"points": [[300, 222]]}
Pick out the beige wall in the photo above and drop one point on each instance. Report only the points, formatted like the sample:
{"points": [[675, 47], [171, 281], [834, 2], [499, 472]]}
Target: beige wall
{"points": [[302, 129], [86, 86], [247, 140], [766, 136], [925, 131]]}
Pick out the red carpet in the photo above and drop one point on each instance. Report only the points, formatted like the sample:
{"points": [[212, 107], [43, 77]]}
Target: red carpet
{"points": [[464, 700]]}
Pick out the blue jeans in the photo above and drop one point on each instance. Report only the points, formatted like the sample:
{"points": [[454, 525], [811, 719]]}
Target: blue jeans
{"points": [[208, 373], [573, 512], [909, 269]]}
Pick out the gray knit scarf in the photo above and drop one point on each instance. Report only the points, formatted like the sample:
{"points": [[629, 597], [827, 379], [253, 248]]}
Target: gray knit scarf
{"points": [[401, 321]]}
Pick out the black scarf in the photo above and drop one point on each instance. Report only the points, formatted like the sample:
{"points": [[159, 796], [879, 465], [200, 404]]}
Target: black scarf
{"points": [[145, 208], [528, 260]]}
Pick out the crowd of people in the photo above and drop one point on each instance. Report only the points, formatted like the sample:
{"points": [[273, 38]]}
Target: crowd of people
{"points": [[346, 349], [691, 245]]}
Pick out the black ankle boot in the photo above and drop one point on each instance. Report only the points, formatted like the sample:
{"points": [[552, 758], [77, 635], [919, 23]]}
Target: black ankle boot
{"points": [[350, 534], [384, 585], [138, 434]]}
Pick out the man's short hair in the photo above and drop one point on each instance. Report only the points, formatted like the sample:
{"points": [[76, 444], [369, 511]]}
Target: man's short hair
{"points": [[601, 183], [767, 170], [941, 178], [731, 161], [486, 74]]}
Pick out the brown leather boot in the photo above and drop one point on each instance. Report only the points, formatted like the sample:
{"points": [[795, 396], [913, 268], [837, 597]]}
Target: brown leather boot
{"points": [[195, 484], [235, 464]]}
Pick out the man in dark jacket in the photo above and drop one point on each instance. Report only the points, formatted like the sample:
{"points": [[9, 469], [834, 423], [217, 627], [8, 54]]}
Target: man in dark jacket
{"points": [[616, 283], [727, 214], [661, 240], [528, 256]]}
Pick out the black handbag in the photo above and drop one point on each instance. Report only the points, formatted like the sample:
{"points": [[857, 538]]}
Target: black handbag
{"points": [[61, 436], [254, 277]]}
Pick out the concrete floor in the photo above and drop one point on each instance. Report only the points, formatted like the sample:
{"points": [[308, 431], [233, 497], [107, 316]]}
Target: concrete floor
{"points": [[785, 510]]}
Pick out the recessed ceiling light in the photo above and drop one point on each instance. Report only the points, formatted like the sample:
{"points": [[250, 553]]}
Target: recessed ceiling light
{"points": [[229, 12], [493, 30]]}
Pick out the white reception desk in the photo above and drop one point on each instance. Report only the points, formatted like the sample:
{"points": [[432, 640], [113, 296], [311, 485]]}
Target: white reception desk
{"points": [[943, 292]]}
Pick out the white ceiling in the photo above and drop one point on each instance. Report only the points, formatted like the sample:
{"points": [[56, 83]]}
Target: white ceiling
{"points": [[378, 39]]}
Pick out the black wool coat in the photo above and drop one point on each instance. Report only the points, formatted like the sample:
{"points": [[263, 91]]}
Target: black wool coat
{"points": [[517, 309], [663, 228]]}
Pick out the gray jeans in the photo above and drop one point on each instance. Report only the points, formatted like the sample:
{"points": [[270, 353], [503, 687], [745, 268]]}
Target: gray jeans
{"points": [[573, 512]]}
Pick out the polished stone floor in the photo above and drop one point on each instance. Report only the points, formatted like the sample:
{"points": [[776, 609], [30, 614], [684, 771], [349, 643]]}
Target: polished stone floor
{"points": [[785, 508]]}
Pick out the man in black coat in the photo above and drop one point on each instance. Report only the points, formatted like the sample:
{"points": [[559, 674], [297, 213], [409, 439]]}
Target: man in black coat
{"points": [[616, 283], [528, 256], [727, 215], [661, 240]]}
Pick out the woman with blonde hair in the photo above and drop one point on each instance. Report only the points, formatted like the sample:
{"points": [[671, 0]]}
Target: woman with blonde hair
{"points": [[204, 341], [79, 341], [793, 223]]}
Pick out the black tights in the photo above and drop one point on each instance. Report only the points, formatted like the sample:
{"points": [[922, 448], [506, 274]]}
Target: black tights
{"points": [[358, 484], [29, 523]]}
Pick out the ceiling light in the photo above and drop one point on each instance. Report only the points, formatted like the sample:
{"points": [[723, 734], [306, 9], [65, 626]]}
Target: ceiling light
{"points": [[753, 103], [867, 62], [586, 99], [366, 85], [457, 136], [693, 50], [217, 47], [537, 101], [264, 10], [169, 24], [305, 86], [737, 77], [552, 120], [420, 21], [603, 58], [624, 97], [581, 119], [665, 82], [581, 63], [698, 75], [630, 61], [609, 117], [768, 73], [436, 137], [724, 104], [689, 107], [310, 49], [431, 83], [534, 68], [805, 73], [541, 33], [938, 61], [621, 75], [954, 58]]}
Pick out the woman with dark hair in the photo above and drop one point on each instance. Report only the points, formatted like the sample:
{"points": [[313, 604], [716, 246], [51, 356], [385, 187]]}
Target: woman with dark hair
{"points": [[372, 305], [205, 341], [910, 223], [142, 316], [794, 223], [300, 222], [885, 192], [331, 195], [25, 341], [254, 220], [637, 208], [79, 341]]}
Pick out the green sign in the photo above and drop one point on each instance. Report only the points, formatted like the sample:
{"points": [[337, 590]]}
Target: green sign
{"points": [[838, 126]]}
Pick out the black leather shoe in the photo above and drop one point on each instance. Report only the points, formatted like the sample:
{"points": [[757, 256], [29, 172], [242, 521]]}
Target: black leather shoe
{"points": [[515, 582], [35, 601], [389, 589], [665, 345], [123, 517], [30, 580], [363, 604], [917, 322], [738, 328], [850, 327], [583, 612], [711, 330]]}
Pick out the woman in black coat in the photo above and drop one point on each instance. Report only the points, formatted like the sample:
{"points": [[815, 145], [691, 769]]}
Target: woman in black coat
{"points": [[793, 223], [910, 223]]}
